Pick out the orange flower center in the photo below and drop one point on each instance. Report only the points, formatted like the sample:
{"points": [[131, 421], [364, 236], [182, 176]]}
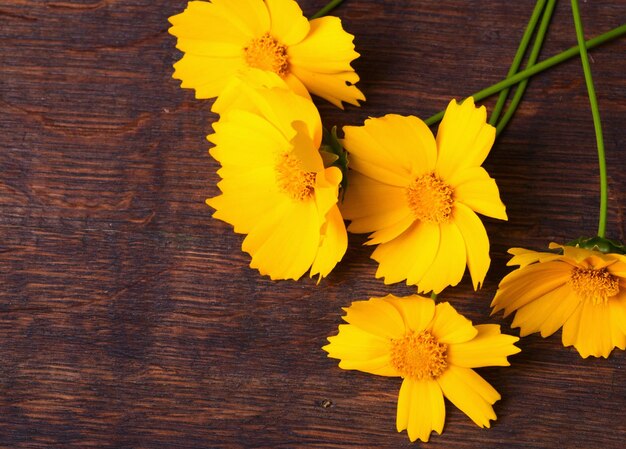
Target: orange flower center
{"points": [[593, 285], [419, 356], [430, 199], [292, 180], [266, 53]]}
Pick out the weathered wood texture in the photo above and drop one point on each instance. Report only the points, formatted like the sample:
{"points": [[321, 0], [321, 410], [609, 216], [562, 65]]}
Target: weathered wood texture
{"points": [[129, 317]]}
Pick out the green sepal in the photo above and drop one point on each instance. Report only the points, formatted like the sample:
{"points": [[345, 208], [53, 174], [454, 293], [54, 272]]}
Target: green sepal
{"points": [[600, 244], [334, 155], [327, 157]]}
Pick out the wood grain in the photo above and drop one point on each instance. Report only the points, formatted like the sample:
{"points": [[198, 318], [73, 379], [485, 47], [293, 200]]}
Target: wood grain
{"points": [[129, 317]]}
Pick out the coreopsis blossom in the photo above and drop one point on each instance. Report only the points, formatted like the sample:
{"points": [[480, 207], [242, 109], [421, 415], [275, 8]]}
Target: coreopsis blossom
{"points": [[274, 185], [433, 348], [581, 290], [221, 38], [419, 196]]}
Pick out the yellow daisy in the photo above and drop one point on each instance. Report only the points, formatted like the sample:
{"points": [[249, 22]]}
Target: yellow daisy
{"points": [[433, 348], [221, 38], [274, 185], [418, 196], [581, 290]]}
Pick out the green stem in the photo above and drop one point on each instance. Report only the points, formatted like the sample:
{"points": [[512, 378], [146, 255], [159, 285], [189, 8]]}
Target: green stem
{"points": [[326, 9], [433, 296], [595, 112], [534, 54], [537, 68], [517, 59]]}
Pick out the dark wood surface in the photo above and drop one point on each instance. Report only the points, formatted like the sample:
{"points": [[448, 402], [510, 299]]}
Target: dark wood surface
{"points": [[129, 317]]}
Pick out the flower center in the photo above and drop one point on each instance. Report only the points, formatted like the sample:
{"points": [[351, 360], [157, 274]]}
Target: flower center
{"points": [[430, 199], [266, 53], [593, 285], [292, 180], [419, 356]]}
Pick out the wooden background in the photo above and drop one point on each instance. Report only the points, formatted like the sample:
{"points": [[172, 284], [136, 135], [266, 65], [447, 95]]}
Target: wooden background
{"points": [[129, 317]]}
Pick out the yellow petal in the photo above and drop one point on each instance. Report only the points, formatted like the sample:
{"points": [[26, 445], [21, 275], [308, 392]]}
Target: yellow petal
{"points": [[464, 138], [581, 255], [420, 409], [449, 264], [591, 332], [285, 247], [248, 16], [379, 173], [322, 62], [470, 393], [245, 141], [373, 205], [335, 87], [333, 245], [488, 348], [524, 285], [377, 317], [207, 75], [403, 142], [296, 86], [437, 407], [209, 48], [391, 232], [360, 350], [417, 311], [476, 242], [403, 410], [474, 188], [618, 311], [243, 206], [326, 190], [305, 150], [555, 307], [354, 343], [282, 107], [200, 23], [401, 145], [451, 327], [235, 94], [618, 269], [288, 25], [379, 367], [328, 48], [409, 255], [523, 257]]}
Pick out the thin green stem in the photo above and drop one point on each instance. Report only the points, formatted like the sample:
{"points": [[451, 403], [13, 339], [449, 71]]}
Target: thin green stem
{"points": [[595, 112], [534, 54], [433, 296], [517, 59], [326, 9], [538, 68]]}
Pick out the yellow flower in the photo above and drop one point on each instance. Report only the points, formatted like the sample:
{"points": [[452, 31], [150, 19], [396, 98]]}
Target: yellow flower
{"points": [[432, 348], [418, 196], [221, 38], [274, 185], [581, 290]]}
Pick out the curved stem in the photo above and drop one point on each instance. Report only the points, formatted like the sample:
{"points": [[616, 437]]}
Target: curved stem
{"points": [[537, 68], [326, 9], [534, 54], [595, 112], [517, 59]]}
